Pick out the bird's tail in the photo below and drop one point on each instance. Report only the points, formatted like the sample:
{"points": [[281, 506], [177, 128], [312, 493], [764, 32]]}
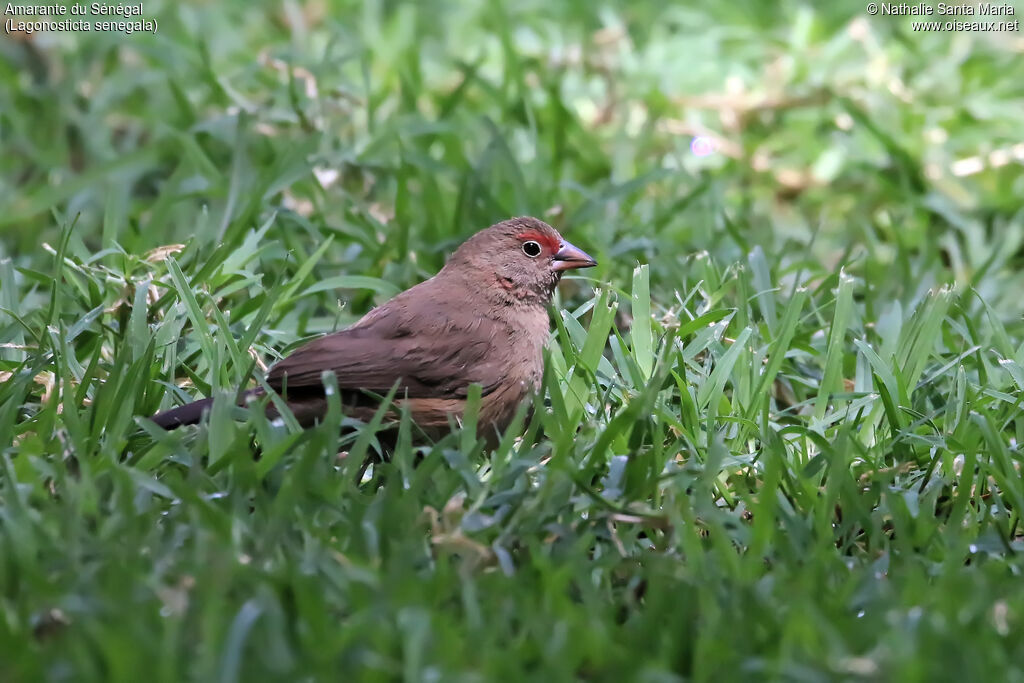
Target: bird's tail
{"points": [[190, 413]]}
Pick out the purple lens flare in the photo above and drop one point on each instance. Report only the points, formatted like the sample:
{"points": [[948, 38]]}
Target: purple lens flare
{"points": [[702, 146]]}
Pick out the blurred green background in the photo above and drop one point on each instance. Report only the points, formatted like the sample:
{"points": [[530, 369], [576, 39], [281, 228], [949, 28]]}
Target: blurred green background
{"points": [[787, 448], [448, 116]]}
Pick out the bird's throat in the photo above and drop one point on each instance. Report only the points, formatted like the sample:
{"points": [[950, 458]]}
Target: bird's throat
{"points": [[512, 293]]}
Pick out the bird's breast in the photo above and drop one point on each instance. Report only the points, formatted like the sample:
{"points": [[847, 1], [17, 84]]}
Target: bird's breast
{"points": [[521, 346]]}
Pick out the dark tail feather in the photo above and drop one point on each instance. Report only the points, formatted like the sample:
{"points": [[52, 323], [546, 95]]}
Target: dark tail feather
{"points": [[188, 414], [191, 413]]}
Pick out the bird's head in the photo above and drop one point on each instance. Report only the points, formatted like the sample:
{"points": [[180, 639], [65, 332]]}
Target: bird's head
{"points": [[523, 258]]}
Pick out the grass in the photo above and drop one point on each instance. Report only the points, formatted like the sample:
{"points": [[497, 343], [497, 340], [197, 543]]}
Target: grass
{"points": [[781, 426]]}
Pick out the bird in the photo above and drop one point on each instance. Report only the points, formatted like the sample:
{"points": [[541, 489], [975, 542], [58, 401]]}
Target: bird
{"points": [[482, 319]]}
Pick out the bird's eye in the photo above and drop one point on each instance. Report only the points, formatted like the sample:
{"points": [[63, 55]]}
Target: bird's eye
{"points": [[531, 249]]}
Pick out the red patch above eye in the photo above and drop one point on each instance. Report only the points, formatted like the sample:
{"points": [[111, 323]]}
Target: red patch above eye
{"points": [[547, 241]]}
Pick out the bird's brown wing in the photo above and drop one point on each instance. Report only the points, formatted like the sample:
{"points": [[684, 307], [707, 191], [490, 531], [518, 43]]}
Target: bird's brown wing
{"points": [[434, 353]]}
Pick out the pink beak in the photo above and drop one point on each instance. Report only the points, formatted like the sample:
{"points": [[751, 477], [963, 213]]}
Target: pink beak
{"points": [[569, 257]]}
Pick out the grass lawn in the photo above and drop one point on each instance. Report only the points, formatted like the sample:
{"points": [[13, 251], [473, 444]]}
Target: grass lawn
{"points": [[782, 423]]}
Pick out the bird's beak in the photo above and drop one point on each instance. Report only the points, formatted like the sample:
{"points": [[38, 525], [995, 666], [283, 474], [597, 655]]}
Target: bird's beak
{"points": [[569, 257]]}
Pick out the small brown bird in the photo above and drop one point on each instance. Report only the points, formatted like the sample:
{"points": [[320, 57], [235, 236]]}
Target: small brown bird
{"points": [[481, 320]]}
